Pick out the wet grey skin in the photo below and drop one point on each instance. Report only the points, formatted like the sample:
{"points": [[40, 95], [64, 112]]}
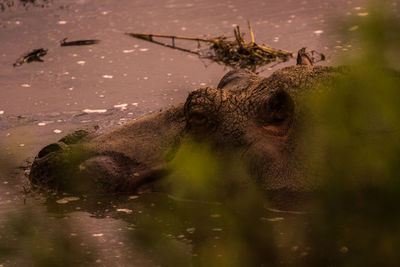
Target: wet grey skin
{"points": [[255, 119]]}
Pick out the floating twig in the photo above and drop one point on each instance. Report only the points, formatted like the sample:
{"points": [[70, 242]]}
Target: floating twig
{"points": [[78, 42], [35, 55]]}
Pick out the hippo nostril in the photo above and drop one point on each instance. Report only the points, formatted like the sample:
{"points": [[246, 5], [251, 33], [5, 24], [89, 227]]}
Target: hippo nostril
{"points": [[49, 149]]}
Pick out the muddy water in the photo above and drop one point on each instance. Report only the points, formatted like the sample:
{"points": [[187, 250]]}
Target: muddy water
{"points": [[118, 80]]}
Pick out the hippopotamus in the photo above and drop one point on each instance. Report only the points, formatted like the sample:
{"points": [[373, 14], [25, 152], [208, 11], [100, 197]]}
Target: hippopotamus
{"points": [[257, 119]]}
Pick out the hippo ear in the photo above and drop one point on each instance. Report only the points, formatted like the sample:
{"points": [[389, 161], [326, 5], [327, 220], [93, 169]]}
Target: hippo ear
{"points": [[237, 80], [276, 113]]}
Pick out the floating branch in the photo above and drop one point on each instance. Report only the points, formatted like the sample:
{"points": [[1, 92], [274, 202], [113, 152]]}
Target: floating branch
{"points": [[234, 53]]}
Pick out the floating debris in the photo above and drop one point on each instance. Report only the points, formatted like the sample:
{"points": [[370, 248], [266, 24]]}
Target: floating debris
{"points": [[353, 28], [121, 106], [98, 235], [276, 219], [107, 76], [64, 42], [1, 112], [35, 55], [127, 211], [95, 110], [344, 250], [234, 53], [318, 32], [66, 200], [62, 22], [57, 131], [191, 230]]}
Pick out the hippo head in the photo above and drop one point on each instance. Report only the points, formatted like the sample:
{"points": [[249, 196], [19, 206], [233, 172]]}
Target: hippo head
{"points": [[253, 117]]}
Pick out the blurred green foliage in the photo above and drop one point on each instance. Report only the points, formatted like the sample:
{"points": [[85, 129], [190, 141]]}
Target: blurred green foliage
{"points": [[358, 161], [31, 238]]}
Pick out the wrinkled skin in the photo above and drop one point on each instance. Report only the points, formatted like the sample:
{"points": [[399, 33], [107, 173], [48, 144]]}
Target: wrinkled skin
{"points": [[256, 118]]}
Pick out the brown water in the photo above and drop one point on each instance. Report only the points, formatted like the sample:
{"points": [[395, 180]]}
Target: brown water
{"points": [[41, 101]]}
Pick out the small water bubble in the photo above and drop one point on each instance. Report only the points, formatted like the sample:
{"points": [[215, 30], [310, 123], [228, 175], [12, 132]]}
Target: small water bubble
{"points": [[362, 14], [57, 131], [81, 62], [143, 49], [26, 85], [21, 145], [135, 104], [145, 78], [18, 22], [1, 112], [183, 28], [62, 22], [106, 76], [128, 51]]}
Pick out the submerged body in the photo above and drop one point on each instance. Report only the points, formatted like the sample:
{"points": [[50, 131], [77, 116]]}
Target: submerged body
{"points": [[256, 119]]}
